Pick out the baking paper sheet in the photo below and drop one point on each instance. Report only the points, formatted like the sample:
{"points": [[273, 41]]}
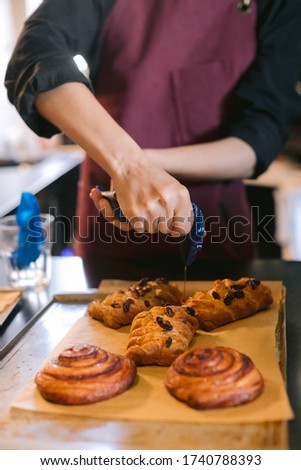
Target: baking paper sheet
{"points": [[8, 300], [148, 399]]}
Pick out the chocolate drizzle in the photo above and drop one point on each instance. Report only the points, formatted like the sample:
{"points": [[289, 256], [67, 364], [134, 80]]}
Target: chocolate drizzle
{"points": [[162, 280], [126, 305], [140, 291], [169, 311], [215, 295], [190, 311], [238, 286], [239, 294], [229, 298], [253, 283], [143, 281], [165, 325]]}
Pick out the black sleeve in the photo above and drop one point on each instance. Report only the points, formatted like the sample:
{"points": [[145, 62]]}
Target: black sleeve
{"points": [[43, 56], [266, 101]]}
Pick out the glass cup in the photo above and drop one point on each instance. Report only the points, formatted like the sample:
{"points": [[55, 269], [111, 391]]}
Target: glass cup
{"points": [[34, 273]]}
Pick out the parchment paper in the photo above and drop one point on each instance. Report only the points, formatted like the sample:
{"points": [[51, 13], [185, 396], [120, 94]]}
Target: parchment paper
{"points": [[148, 399], [8, 300]]}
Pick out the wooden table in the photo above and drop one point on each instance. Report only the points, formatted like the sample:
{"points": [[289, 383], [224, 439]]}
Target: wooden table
{"points": [[22, 430]]}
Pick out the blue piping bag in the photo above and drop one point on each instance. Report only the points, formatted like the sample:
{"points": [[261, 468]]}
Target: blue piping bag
{"points": [[30, 235], [189, 245], [111, 197], [193, 242]]}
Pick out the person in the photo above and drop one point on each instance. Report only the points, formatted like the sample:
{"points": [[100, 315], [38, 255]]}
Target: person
{"points": [[183, 101]]}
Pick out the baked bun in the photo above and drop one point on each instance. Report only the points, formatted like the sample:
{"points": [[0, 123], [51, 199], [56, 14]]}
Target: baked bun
{"points": [[228, 301], [160, 335], [85, 374], [121, 307], [214, 377]]}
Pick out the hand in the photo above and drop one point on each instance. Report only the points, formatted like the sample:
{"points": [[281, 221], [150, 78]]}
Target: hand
{"points": [[151, 199]]}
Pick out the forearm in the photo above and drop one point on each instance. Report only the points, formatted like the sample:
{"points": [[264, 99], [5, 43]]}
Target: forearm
{"points": [[156, 201], [224, 159], [75, 110]]}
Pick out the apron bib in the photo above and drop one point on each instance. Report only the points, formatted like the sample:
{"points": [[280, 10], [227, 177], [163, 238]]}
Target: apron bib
{"points": [[168, 71]]}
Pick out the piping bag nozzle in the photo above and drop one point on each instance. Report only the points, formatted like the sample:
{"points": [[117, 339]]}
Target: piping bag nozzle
{"points": [[193, 242], [111, 197]]}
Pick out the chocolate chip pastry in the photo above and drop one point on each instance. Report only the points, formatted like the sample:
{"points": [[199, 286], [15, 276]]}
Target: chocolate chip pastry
{"points": [[121, 307], [228, 301], [85, 374], [214, 377], [159, 335]]}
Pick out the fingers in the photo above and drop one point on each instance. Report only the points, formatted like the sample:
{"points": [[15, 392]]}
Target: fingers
{"points": [[96, 197], [104, 207], [171, 213], [183, 216], [168, 218], [179, 214], [158, 217]]}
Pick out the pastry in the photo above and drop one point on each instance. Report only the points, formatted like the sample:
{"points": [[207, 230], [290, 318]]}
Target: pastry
{"points": [[159, 335], [215, 377], [121, 307], [85, 374], [228, 301]]}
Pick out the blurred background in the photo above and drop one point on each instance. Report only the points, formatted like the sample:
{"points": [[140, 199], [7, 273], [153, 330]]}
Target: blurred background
{"points": [[17, 142], [50, 167]]}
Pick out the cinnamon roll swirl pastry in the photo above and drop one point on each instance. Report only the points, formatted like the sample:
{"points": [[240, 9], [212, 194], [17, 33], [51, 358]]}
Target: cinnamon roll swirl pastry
{"points": [[85, 374], [121, 307], [228, 301], [160, 335], [215, 377]]}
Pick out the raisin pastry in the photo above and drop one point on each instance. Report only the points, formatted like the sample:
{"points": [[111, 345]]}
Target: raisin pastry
{"points": [[121, 307], [228, 301], [159, 335], [214, 377], [85, 374]]}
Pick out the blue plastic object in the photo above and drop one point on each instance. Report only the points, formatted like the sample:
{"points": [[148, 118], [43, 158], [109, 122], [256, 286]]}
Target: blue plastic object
{"points": [[193, 242], [189, 245], [30, 235]]}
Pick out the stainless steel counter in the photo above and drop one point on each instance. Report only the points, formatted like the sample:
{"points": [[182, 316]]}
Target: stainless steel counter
{"points": [[20, 430]]}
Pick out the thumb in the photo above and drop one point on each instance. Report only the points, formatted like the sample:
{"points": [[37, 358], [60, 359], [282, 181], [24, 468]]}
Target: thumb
{"points": [[101, 204], [104, 207]]}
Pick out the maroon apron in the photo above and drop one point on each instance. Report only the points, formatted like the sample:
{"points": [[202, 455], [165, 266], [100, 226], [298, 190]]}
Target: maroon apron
{"points": [[168, 71]]}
